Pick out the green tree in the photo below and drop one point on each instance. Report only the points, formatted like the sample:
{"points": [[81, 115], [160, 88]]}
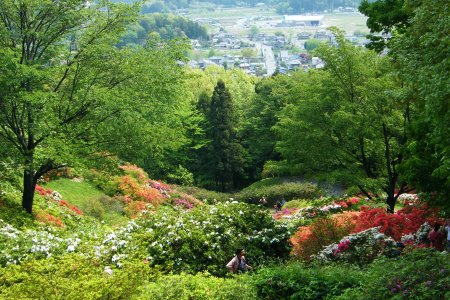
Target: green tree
{"points": [[422, 56], [254, 31], [257, 135], [226, 161], [311, 44], [348, 121], [62, 79], [384, 17]]}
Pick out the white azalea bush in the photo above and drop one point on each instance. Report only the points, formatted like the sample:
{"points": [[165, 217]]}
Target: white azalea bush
{"points": [[360, 248], [18, 246], [201, 239]]}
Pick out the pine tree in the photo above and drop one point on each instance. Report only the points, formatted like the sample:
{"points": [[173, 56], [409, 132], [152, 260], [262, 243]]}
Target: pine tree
{"points": [[227, 154]]}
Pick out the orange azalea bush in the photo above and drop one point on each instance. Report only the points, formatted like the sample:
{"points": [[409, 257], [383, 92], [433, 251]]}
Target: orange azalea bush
{"points": [[134, 208], [135, 172], [46, 218], [309, 240]]}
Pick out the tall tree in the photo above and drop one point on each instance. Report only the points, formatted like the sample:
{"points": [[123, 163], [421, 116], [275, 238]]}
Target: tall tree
{"points": [[226, 160], [61, 78], [348, 121], [422, 56]]}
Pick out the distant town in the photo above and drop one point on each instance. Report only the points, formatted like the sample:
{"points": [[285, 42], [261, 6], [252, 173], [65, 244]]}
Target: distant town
{"points": [[264, 44]]}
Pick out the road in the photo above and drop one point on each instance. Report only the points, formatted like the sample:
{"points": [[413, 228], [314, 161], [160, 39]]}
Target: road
{"points": [[267, 53]]}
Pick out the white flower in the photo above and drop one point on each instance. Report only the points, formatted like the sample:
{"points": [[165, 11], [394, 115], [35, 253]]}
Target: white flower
{"points": [[70, 248], [108, 270]]}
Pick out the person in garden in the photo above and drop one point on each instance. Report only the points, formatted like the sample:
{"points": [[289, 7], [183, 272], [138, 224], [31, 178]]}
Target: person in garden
{"points": [[278, 206], [238, 264], [436, 237]]}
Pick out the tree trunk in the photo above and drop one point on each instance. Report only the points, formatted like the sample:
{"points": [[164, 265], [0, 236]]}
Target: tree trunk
{"points": [[29, 185], [390, 201]]}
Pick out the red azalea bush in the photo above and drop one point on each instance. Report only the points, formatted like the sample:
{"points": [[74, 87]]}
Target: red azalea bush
{"points": [[73, 208], [405, 221]]}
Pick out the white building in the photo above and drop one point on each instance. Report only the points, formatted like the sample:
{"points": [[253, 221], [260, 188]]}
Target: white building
{"points": [[298, 20]]}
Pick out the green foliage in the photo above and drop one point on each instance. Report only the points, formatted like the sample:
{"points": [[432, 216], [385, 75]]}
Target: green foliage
{"points": [[312, 44], [297, 281], [201, 239], [68, 83], [260, 115], [422, 54], [348, 120], [204, 195], [296, 204], [72, 276], [225, 152], [384, 17], [272, 193], [421, 274], [199, 286]]}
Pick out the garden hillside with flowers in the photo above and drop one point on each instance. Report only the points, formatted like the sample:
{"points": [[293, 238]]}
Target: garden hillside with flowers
{"points": [[145, 239], [126, 173]]}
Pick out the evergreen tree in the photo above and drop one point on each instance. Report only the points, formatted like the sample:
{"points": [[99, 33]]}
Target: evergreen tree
{"points": [[226, 159]]}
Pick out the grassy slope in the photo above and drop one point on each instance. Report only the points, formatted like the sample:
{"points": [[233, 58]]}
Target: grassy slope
{"points": [[83, 195]]}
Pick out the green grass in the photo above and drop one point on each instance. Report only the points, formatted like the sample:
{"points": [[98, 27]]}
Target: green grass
{"points": [[76, 193], [86, 196]]}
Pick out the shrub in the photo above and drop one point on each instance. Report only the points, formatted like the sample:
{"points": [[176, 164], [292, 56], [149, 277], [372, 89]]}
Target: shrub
{"points": [[298, 281], [360, 248], [405, 221], [94, 209], [206, 196], [309, 240], [272, 193], [296, 204], [420, 274], [199, 286], [71, 277], [112, 205], [201, 239]]}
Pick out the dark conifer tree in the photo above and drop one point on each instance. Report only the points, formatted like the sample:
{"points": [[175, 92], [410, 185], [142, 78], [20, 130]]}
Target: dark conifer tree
{"points": [[227, 154]]}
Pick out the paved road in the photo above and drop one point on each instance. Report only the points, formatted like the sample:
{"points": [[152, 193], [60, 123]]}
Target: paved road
{"points": [[267, 53]]}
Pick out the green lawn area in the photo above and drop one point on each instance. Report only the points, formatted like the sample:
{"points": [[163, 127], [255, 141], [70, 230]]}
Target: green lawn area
{"points": [[76, 193], [89, 199]]}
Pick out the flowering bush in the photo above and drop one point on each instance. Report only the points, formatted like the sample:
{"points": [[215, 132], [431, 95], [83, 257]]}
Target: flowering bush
{"points": [[360, 248], [308, 240], [203, 238], [312, 212], [18, 246], [405, 221]]}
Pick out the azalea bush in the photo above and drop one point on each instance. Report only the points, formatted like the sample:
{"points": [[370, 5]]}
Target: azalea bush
{"points": [[311, 212], [200, 239], [309, 240], [19, 246], [405, 221], [360, 248]]}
